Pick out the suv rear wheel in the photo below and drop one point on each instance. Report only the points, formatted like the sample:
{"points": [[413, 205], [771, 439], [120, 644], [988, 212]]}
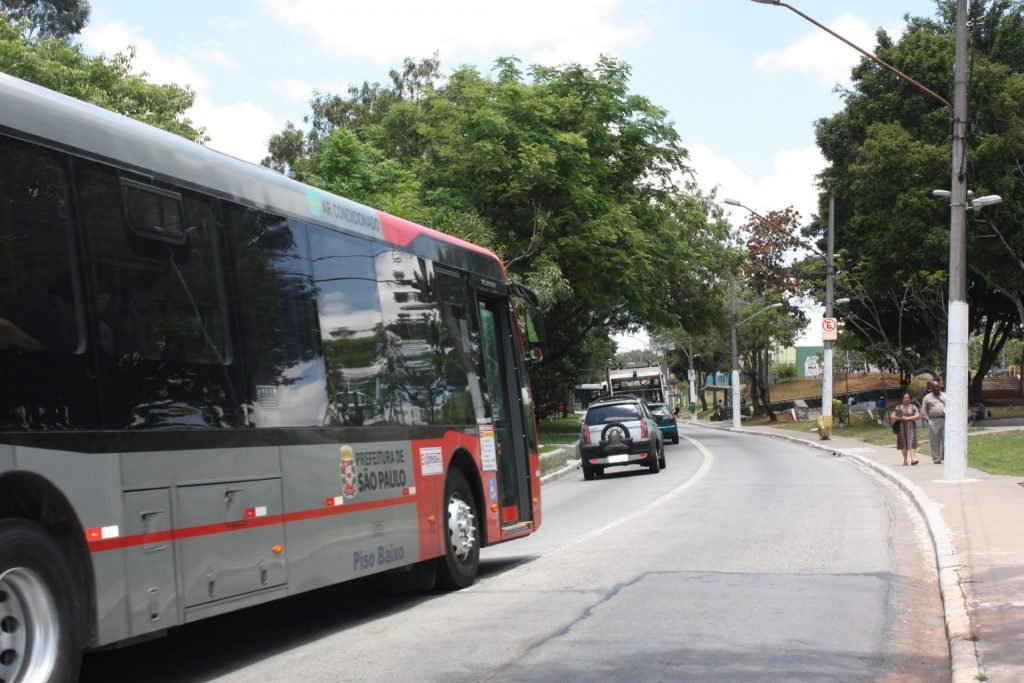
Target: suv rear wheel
{"points": [[654, 465]]}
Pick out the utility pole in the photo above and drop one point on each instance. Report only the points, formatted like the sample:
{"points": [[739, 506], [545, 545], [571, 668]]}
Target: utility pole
{"points": [[691, 379], [825, 428], [735, 358], [955, 441]]}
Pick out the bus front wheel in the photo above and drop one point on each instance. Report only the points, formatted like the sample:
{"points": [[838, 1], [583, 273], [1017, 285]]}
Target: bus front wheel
{"points": [[461, 561], [39, 635]]}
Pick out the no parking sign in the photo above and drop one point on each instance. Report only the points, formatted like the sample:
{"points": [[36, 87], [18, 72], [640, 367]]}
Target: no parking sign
{"points": [[829, 329]]}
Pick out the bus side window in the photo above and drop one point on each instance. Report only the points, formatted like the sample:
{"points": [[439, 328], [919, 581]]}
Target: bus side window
{"points": [[457, 353], [358, 353], [159, 302], [277, 316], [42, 325]]}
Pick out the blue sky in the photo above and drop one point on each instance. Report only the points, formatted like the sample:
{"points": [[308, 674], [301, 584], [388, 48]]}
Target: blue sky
{"points": [[743, 82]]}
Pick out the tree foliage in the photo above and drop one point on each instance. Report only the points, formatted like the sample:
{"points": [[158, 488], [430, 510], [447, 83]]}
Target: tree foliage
{"points": [[578, 184], [889, 148], [48, 18], [109, 83], [767, 276]]}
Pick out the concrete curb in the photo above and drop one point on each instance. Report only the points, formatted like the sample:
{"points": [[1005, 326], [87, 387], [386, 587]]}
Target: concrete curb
{"points": [[963, 652], [557, 463]]}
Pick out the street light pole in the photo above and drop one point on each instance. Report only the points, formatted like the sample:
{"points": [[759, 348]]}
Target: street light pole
{"points": [[955, 442], [955, 439], [691, 378], [825, 428], [735, 377]]}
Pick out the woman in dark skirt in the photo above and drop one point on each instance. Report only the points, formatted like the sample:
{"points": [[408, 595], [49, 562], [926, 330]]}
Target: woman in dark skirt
{"points": [[905, 417]]}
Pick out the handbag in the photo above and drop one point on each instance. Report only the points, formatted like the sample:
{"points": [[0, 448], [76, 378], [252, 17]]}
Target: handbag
{"points": [[895, 427]]}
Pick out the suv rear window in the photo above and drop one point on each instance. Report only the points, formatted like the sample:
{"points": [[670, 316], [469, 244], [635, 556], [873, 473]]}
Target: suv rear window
{"points": [[614, 413]]}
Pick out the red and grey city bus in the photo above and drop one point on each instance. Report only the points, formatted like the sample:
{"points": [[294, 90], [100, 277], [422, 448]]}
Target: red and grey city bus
{"points": [[220, 386]]}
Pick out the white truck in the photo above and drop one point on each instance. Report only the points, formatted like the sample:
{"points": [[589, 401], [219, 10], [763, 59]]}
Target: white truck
{"points": [[645, 381]]}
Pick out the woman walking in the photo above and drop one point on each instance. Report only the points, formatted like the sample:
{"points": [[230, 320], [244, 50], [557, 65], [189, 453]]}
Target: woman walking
{"points": [[904, 421]]}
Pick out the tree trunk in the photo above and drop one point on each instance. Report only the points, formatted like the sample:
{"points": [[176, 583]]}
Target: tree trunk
{"points": [[766, 388]]}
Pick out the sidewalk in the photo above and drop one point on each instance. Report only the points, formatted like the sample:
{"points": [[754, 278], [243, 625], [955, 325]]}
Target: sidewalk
{"points": [[977, 528]]}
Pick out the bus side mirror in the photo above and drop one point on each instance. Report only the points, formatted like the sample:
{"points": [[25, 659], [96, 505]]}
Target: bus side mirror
{"points": [[531, 321], [535, 342]]}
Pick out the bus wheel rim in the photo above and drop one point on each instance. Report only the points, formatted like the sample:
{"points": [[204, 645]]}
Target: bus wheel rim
{"points": [[461, 526], [28, 627]]}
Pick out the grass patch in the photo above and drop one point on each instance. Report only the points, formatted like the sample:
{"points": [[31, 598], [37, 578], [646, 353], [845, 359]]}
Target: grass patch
{"points": [[998, 453], [561, 425], [861, 427], [995, 453], [558, 439], [1006, 411], [557, 432]]}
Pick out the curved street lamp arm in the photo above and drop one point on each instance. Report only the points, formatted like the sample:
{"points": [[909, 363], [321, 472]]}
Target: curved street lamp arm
{"points": [[754, 315], [876, 60]]}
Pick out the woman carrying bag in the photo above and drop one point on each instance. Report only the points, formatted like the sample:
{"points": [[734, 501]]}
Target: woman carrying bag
{"points": [[904, 423]]}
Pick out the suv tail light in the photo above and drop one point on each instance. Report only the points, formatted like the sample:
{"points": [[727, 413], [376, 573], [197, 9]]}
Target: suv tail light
{"points": [[586, 434], [643, 428]]}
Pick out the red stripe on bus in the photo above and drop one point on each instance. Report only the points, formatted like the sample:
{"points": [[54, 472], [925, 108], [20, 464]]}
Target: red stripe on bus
{"points": [[103, 545], [402, 232]]}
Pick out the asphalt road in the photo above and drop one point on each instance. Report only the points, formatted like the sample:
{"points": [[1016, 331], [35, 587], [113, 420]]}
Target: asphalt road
{"points": [[746, 559]]}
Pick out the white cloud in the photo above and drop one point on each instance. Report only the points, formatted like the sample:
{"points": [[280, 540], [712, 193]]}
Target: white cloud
{"points": [[536, 30], [790, 182], [215, 54], [822, 55], [116, 36], [298, 91], [294, 90], [240, 129]]}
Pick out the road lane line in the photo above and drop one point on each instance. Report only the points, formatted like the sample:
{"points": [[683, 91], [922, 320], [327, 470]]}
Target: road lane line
{"points": [[701, 472]]}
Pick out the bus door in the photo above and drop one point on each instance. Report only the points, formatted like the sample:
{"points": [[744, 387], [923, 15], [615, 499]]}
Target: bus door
{"points": [[506, 411]]}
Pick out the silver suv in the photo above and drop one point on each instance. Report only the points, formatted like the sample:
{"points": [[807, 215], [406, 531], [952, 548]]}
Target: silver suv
{"points": [[620, 430]]}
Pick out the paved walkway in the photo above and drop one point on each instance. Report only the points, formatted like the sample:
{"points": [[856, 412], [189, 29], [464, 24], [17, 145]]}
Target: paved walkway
{"points": [[977, 527]]}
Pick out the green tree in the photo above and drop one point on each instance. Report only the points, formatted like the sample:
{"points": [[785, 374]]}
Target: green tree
{"points": [[578, 184], [889, 148], [109, 83], [786, 371], [765, 278], [48, 18]]}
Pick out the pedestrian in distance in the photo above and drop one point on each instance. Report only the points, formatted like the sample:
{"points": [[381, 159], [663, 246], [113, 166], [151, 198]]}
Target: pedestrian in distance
{"points": [[978, 415], [933, 405], [904, 419], [881, 408]]}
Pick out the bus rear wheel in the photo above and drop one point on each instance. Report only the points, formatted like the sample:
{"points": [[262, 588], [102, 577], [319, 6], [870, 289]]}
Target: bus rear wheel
{"points": [[39, 635], [461, 561]]}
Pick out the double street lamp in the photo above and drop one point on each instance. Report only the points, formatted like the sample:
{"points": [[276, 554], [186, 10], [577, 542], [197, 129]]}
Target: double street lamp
{"points": [[955, 445], [691, 378], [735, 377], [825, 427]]}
